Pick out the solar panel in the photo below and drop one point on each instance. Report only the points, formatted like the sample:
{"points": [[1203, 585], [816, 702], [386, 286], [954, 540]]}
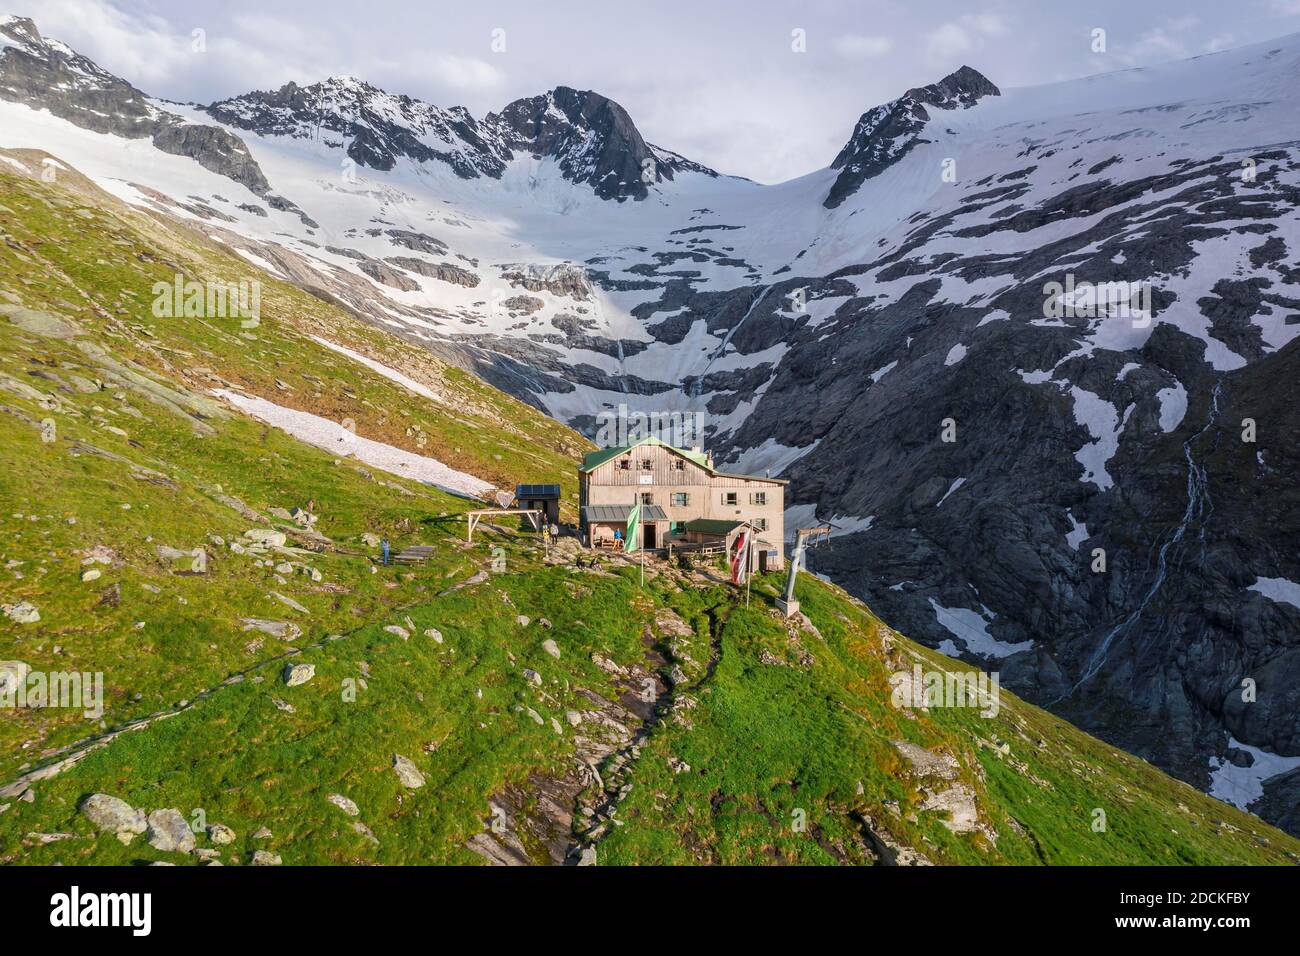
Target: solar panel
{"points": [[523, 492]]}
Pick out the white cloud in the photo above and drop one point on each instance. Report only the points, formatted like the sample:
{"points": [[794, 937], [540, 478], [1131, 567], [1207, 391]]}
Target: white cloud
{"points": [[947, 42], [959, 37], [862, 47], [465, 72]]}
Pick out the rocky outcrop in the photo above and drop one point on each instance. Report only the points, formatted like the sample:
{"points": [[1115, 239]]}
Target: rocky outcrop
{"points": [[887, 133], [47, 75], [593, 140]]}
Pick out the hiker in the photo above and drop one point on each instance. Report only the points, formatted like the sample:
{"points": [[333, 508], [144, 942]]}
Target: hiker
{"points": [[384, 547], [555, 533], [618, 538]]}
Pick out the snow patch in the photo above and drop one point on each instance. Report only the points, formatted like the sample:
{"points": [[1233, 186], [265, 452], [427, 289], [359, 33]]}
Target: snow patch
{"points": [[1242, 786], [389, 373], [972, 629], [334, 438], [1173, 406], [884, 370], [1078, 532], [951, 488], [1279, 590]]}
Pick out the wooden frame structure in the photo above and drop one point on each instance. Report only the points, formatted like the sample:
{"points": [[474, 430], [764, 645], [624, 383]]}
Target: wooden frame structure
{"points": [[534, 515]]}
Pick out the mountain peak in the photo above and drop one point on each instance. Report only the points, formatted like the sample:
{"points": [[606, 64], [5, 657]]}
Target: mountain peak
{"points": [[592, 138], [887, 133], [21, 28]]}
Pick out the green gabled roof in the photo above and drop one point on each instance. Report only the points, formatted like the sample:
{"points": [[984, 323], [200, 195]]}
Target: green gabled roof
{"points": [[712, 525], [593, 460]]}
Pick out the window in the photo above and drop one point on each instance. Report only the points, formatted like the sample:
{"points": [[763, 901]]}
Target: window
{"points": [[728, 497], [760, 524], [647, 498], [679, 465], [676, 527], [624, 464], [681, 499], [758, 498], [647, 464]]}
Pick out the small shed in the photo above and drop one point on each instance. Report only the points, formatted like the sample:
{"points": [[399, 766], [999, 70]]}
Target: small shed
{"points": [[544, 498]]}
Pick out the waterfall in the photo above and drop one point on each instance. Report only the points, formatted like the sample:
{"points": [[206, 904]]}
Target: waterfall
{"points": [[1199, 507]]}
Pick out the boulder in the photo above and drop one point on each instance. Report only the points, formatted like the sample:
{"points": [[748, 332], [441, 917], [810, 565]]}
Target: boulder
{"points": [[295, 674], [220, 834], [265, 858], [407, 772], [168, 831], [550, 647], [22, 613], [113, 815], [267, 537]]}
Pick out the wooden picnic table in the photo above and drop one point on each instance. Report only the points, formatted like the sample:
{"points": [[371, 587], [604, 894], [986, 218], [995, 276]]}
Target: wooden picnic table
{"points": [[414, 554]]}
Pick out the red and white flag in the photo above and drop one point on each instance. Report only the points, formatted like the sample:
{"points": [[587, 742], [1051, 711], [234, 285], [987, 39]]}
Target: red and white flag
{"points": [[740, 566]]}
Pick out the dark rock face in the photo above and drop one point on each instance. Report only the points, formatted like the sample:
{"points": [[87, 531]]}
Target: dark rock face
{"points": [[443, 271], [593, 139], [1150, 653], [887, 133], [375, 127], [50, 76]]}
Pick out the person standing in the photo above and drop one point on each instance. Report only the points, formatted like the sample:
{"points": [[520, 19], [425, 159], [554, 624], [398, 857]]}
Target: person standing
{"points": [[384, 547], [555, 534]]}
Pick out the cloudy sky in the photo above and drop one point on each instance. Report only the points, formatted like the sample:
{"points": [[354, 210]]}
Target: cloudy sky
{"points": [[720, 81]]}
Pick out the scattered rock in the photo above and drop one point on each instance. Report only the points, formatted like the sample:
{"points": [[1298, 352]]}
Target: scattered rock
{"points": [[284, 630], [407, 772], [344, 804], [550, 647], [434, 633], [113, 815], [295, 674], [266, 537], [265, 858], [219, 834], [169, 832], [22, 613], [397, 629]]}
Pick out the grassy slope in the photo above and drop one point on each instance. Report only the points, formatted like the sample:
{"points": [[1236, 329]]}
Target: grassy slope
{"points": [[762, 739]]}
